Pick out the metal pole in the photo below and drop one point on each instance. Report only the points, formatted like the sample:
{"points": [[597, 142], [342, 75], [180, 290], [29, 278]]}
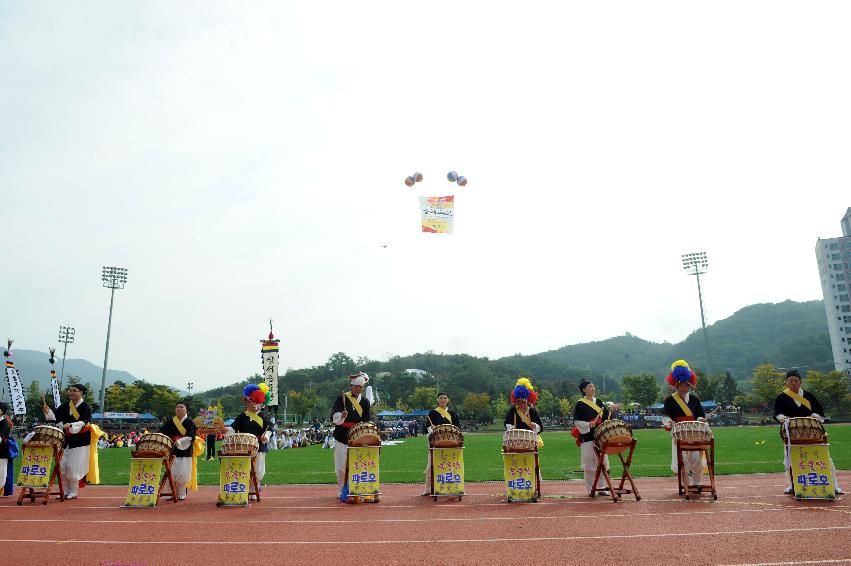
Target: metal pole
{"points": [[703, 324], [106, 355], [62, 371]]}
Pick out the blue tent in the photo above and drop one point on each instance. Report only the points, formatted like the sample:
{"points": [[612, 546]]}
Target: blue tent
{"points": [[395, 413], [420, 413], [656, 406], [140, 416], [708, 404]]}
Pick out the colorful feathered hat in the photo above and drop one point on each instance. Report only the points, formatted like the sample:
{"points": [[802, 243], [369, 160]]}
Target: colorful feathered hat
{"points": [[523, 390], [258, 394], [681, 373]]}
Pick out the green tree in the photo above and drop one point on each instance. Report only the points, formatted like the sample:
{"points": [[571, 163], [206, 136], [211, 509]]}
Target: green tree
{"points": [[32, 398], [768, 383], [341, 365], [163, 401], [123, 398], [423, 398], [831, 389], [565, 406], [547, 402], [640, 388], [302, 403], [477, 407], [707, 387], [727, 390], [499, 406]]}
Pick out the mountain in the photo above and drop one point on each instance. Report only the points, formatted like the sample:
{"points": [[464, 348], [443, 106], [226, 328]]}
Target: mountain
{"points": [[787, 334], [35, 365]]}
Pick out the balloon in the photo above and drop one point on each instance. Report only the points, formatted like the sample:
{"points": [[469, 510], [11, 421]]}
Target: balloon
{"points": [[452, 176], [409, 181], [462, 181], [418, 177]]}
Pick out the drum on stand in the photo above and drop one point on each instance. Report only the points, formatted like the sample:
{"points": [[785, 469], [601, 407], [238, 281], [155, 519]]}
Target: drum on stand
{"points": [[50, 435], [446, 436], [364, 434], [804, 430], [520, 440], [239, 444], [155, 443]]}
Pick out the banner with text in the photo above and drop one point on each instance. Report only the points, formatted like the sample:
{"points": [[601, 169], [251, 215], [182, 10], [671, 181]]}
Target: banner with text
{"points": [[269, 355], [811, 472], [234, 478], [363, 471], [144, 487], [19, 406], [36, 462], [520, 477], [448, 471], [437, 214]]}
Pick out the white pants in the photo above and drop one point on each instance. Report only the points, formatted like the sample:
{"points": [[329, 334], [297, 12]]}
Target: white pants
{"points": [[692, 462], [589, 465], [181, 470], [260, 466], [74, 467], [3, 464], [341, 453], [788, 464]]}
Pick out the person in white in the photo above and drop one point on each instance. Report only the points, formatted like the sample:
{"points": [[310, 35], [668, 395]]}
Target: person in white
{"points": [[73, 417], [588, 414], [344, 419]]}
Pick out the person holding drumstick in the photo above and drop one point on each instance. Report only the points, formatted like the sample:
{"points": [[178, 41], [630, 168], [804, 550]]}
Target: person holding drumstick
{"points": [[181, 430], [254, 421], [73, 417], [349, 409], [588, 413], [680, 406], [522, 414], [795, 402], [440, 415]]}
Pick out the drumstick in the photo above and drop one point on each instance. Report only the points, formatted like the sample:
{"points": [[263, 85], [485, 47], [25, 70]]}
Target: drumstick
{"points": [[43, 402]]}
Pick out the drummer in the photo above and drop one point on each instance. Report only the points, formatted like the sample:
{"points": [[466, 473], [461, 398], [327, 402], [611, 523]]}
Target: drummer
{"points": [[588, 413], [181, 430], [440, 415], [254, 421], [681, 406], [795, 402], [73, 416], [522, 414], [349, 409]]}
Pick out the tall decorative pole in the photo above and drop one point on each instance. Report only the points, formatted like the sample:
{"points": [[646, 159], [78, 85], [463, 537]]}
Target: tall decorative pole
{"points": [[16, 389], [54, 381], [269, 357]]}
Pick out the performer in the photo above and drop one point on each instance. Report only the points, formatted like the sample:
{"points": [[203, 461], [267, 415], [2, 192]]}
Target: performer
{"points": [[522, 415], [5, 434], [255, 421], [440, 415], [683, 405], [348, 410], [795, 402], [588, 413], [181, 430], [74, 417]]}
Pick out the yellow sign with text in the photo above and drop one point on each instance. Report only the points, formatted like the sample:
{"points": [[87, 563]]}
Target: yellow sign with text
{"points": [[144, 488], [36, 462], [234, 478], [520, 476], [811, 473], [363, 471], [447, 471]]}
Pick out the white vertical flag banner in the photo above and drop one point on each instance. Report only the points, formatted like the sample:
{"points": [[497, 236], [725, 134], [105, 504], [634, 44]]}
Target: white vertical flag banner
{"points": [[54, 385], [269, 355], [16, 389]]}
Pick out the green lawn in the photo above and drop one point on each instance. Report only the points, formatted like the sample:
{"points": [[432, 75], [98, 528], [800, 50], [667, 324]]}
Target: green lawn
{"points": [[738, 451]]}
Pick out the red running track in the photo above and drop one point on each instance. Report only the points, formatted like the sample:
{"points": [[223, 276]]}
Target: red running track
{"points": [[751, 523]]}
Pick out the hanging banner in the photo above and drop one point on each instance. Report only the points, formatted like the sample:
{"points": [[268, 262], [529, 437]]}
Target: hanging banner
{"points": [[234, 475], [448, 470], [144, 487], [811, 471], [520, 478], [16, 389], [437, 214], [54, 386], [35, 466], [363, 471], [269, 355]]}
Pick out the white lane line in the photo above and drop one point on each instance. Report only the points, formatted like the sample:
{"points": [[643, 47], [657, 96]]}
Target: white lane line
{"points": [[784, 531], [827, 561]]}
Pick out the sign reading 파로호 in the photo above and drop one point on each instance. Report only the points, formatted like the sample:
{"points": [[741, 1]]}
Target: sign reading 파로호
{"points": [[520, 477], [813, 478], [234, 478], [448, 471], [143, 490], [36, 462], [363, 471]]}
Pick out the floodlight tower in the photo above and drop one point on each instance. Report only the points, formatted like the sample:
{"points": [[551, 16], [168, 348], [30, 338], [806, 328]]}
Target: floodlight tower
{"points": [[66, 336], [113, 278], [696, 264]]}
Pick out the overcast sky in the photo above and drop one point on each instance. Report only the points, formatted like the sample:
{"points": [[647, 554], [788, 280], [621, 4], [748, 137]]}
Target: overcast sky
{"points": [[245, 161]]}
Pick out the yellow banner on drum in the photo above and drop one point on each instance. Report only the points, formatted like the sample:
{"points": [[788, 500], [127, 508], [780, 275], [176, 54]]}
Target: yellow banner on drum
{"points": [[520, 477], [437, 214], [144, 487], [234, 477], [813, 478], [448, 471], [36, 462], [363, 471]]}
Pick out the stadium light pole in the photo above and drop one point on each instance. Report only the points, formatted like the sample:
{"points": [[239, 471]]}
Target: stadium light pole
{"points": [[66, 336], [113, 278], [696, 264]]}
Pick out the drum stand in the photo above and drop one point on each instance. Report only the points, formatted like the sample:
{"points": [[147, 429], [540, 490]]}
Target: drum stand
{"points": [[701, 447], [615, 448], [55, 475], [430, 478], [167, 461]]}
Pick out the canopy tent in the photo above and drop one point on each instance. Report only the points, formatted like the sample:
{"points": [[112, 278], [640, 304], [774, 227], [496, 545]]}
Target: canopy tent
{"points": [[656, 406], [396, 413], [708, 404], [420, 413], [124, 416]]}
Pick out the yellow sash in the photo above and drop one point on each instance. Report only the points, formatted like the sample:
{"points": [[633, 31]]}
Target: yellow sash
{"points": [[93, 477], [181, 429], [676, 396], [355, 404], [255, 417], [592, 405], [525, 418], [198, 447], [73, 410], [799, 398], [444, 413]]}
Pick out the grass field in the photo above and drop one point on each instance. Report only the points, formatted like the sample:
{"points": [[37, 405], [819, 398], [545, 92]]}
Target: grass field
{"points": [[741, 450]]}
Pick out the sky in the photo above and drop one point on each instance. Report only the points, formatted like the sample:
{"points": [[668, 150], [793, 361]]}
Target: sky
{"points": [[246, 161]]}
